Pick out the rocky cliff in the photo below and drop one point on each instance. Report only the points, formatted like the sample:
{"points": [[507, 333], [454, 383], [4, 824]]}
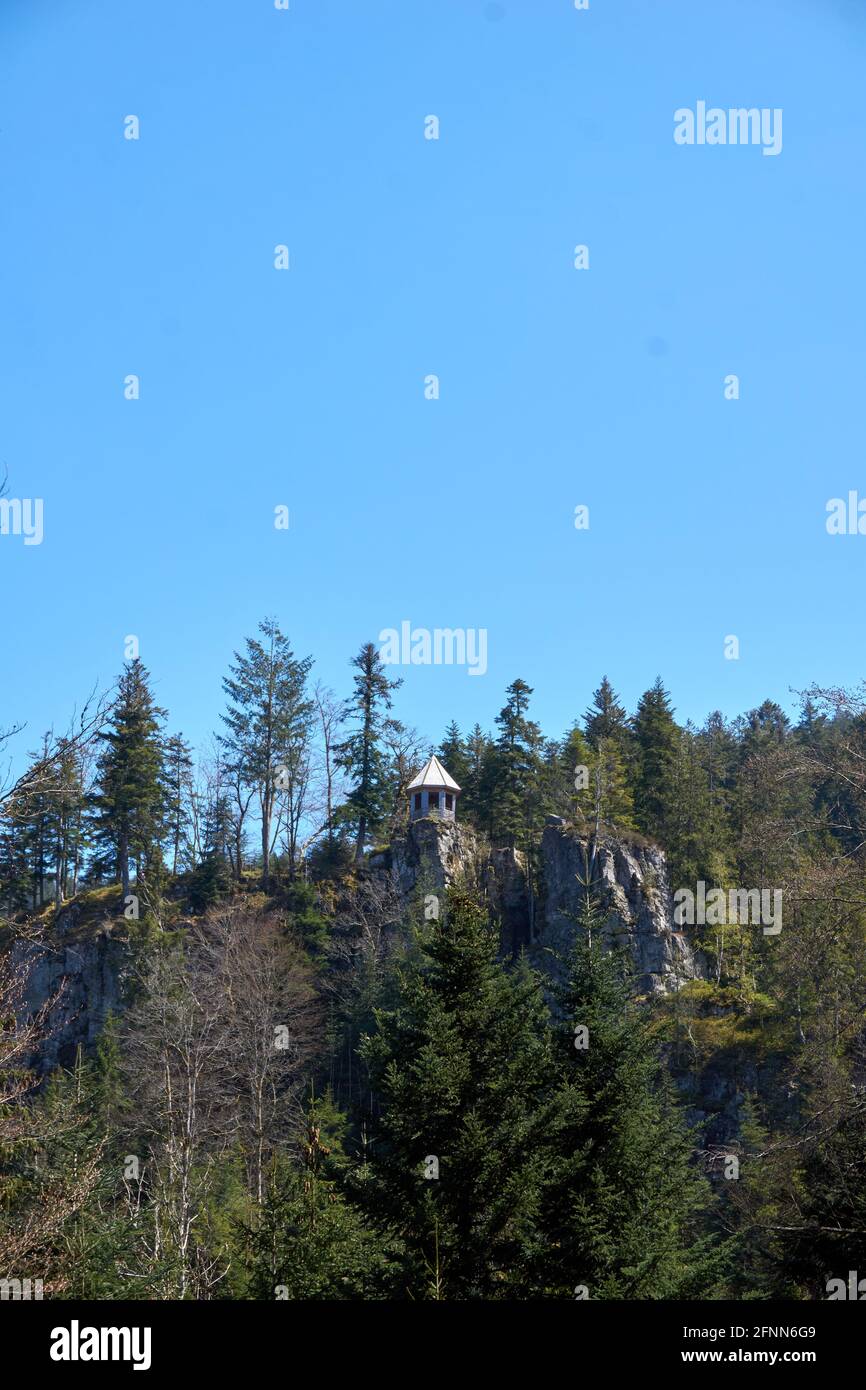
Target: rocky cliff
{"points": [[540, 916], [82, 981], [635, 894], [85, 967]]}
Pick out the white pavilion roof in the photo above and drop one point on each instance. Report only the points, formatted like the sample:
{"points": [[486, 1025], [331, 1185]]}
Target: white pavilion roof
{"points": [[433, 774]]}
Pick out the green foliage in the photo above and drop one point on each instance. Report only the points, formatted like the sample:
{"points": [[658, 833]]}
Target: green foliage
{"points": [[656, 739], [459, 1067], [606, 717], [305, 916], [362, 755], [268, 729], [208, 883], [128, 806], [308, 1241], [621, 1207]]}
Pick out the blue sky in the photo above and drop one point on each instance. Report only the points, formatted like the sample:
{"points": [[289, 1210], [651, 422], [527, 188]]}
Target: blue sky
{"points": [[409, 257]]}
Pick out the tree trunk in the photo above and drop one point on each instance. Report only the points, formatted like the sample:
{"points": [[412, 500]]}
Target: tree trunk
{"points": [[266, 843], [123, 864]]}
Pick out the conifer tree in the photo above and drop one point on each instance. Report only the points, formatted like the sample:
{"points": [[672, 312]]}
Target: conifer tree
{"points": [[128, 804], [621, 1204], [473, 807], [575, 758], [453, 755], [656, 736], [177, 776], [361, 755], [269, 722], [458, 1068], [516, 808], [309, 1241], [612, 804], [606, 717], [15, 874], [689, 844]]}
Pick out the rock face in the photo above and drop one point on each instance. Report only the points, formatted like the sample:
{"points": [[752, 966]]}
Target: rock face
{"points": [[89, 974], [430, 856], [86, 980], [435, 854], [633, 890]]}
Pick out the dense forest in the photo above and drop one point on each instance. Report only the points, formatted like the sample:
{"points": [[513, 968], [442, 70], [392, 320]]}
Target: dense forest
{"points": [[313, 1090]]}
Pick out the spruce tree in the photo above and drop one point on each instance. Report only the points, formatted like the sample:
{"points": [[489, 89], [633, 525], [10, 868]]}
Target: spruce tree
{"points": [[453, 755], [458, 1068], [128, 803], [177, 774], [362, 755], [606, 717], [16, 882], [622, 1206], [516, 802], [269, 723], [656, 736], [309, 1241]]}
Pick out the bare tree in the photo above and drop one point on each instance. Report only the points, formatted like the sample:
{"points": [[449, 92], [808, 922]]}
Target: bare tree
{"points": [[175, 1049], [406, 752], [330, 714], [29, 1232], [272, 1027], [41, 776]]}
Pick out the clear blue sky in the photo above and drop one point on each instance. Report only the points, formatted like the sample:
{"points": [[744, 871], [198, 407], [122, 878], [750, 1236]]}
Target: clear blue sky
{"points": [[409, 257]]}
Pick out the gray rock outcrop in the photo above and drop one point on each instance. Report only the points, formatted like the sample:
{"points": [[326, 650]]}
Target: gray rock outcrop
{"points": [[541, 917]]}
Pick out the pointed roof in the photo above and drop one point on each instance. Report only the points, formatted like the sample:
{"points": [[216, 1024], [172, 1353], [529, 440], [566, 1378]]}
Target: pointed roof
{"points": [[433, 774]]}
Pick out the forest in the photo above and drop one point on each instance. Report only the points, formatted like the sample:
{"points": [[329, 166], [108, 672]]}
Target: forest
{"points": [[310, 1090]]}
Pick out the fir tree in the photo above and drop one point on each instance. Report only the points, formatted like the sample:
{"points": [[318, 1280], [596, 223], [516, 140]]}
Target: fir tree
{"points": [[458, 1068], [269, 721], [128, 804], [622, 1205], [516, 807], [656, 736], [454, 756], [177, 774], [361, 755], [606, 717]]}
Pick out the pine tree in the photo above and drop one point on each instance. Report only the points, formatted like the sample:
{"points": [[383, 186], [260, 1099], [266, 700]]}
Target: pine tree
{"points": [[622, 1205], [606, 717], [361, 755], [177, 774], [656, 735], [516, 802], [16, 881], [269, 721], [454, 756], [309, 1242], [458, 1068], [473, 806], [128, 804]]}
